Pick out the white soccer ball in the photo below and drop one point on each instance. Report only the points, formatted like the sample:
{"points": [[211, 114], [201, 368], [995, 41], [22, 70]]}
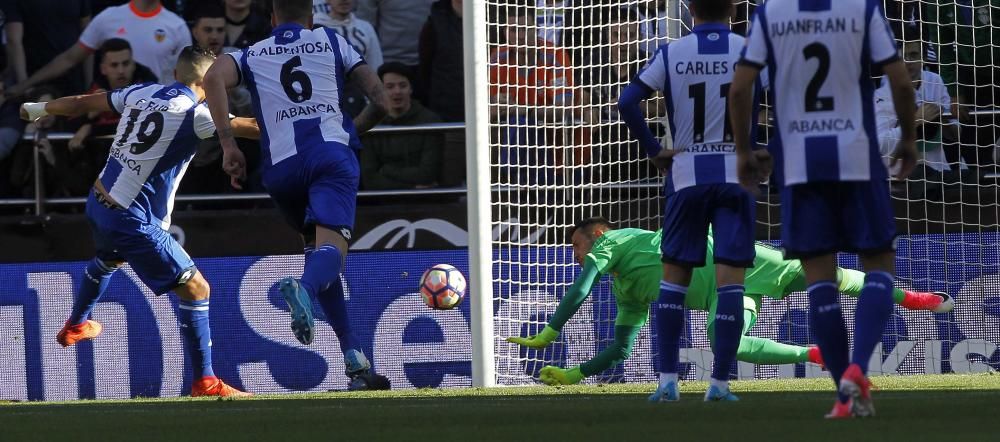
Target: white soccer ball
{"points": [[442, 287]]}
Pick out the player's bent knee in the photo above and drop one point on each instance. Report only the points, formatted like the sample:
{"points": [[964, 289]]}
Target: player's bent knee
{"points": [[332, 237], [194, 288]]}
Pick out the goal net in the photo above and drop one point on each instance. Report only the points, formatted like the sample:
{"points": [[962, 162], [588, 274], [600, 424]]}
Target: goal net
{"points": [[558, 152]]}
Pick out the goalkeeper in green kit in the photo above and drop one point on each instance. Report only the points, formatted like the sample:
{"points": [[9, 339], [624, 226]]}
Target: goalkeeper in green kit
{"points": [[632, 257]]}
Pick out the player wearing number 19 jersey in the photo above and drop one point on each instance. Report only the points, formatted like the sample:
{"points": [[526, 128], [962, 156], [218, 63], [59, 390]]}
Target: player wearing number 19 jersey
{"points": [[835, 196], [129, 209], [296, 78], [701, 187]]}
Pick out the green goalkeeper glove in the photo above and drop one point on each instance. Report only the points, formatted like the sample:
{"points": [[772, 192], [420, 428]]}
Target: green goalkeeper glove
{"points": [[538, 341], [552, 375]]}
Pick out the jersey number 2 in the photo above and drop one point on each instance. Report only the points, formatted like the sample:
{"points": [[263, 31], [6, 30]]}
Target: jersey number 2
{"points": [[150, 131], [291, 77], [815, 103], [697, 93]]}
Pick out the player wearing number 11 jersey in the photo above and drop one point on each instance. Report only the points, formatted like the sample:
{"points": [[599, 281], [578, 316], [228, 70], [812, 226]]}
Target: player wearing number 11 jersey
{"points": [[701, 186], [296, 78], [129, 209], [835, 196]]}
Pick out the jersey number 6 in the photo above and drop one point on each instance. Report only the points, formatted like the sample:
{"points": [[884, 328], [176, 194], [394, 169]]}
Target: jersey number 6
{"points": [[290, 77]]}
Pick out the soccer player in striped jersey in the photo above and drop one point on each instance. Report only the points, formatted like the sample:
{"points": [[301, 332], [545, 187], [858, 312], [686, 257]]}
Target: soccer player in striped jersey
{"points": [[296, 78], [819, 56], [701, 186], [632, 256], [129, 209]]}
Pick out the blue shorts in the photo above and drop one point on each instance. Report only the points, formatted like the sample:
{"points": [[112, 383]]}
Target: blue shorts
{"points": [[822, 218], [727, 207], [318, 186], [155, 256]]}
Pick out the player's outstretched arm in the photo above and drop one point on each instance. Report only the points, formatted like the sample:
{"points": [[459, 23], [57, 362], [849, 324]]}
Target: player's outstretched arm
{"points": [[568, 306], [73, 106], [222, 76], [245, 128], [905, 155], [378, 103], [611, 356]]}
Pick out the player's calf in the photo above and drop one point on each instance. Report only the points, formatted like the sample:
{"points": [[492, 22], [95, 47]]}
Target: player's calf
{"points": [[193, 314]]}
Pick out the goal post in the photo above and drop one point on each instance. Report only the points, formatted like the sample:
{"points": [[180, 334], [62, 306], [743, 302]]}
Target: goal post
{"points": [[479, 195]]}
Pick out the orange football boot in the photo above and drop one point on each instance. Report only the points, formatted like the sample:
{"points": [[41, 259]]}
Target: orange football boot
{"points": [[213, 386], [71, 334]]}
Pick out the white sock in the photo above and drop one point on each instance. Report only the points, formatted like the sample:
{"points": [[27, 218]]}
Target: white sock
{"points": [[666, 378], [721, 385]]}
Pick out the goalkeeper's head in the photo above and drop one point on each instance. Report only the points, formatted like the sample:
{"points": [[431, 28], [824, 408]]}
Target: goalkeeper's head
{"points": [[711, 10], [585, 233]]}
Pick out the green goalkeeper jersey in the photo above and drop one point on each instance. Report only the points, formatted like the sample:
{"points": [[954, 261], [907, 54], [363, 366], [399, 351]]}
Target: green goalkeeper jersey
{"points": [[632, 257]]}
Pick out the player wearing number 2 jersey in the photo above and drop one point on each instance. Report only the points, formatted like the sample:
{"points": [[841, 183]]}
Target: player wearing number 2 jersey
{"points": [[129, 209], [835, 196], [701, 187], [296, 78]]}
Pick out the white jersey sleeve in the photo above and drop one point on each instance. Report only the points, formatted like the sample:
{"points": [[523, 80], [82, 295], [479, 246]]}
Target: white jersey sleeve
{"points": [[94, 35], [755, 49], [654, 74], [881, 43], [116, 98], [204, 127], [351, 57]]}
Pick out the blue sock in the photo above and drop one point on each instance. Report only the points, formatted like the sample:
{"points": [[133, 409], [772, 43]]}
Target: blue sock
{"points": [[92, 285], [322, 268], [670, 324], [827, 325], [332, 301], [193, 316], [728, 329], [874, 310]]}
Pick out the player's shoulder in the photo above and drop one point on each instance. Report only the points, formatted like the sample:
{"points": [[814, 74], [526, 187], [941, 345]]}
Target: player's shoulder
{"points": [[736, 39], [137, 90], [172, 19], [112, 13]]}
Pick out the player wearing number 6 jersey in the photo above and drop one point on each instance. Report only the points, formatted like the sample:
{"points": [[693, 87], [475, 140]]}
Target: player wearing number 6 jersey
{"points": [[129, 209], [701, 187], [835, 196], [296, 78]]}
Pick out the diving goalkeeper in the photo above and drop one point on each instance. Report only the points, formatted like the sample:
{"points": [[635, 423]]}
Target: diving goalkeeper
{"points": [[632, 256]]}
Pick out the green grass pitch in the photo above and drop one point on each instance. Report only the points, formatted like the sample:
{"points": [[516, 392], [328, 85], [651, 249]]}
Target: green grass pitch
{"points": [[910, 408]]}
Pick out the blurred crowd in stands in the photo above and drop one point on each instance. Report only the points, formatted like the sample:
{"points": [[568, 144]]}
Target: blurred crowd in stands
{"points": [[556, 69]]}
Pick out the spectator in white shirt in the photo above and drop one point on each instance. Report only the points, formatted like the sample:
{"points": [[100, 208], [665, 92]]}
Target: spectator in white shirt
{"points": [[358, 32], [932, 126], [155, 34]]}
